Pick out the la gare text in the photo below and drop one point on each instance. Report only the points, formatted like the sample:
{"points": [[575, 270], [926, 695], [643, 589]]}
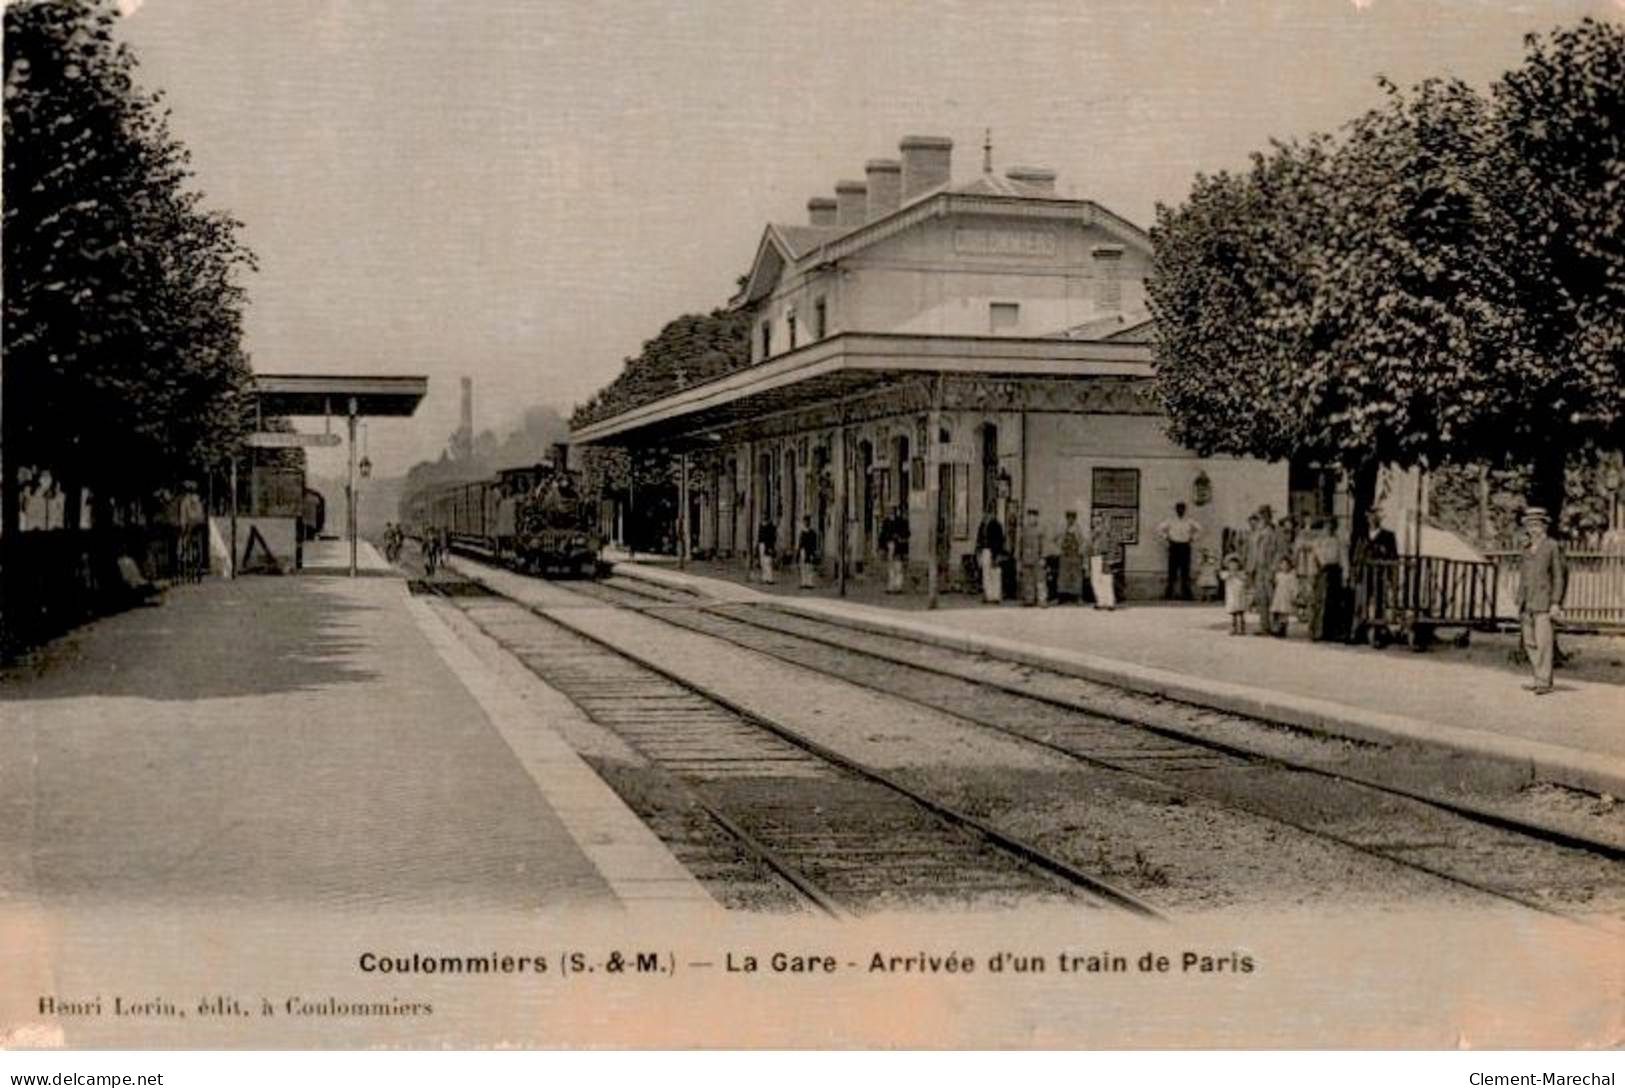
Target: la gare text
{"points": [[820, 962]]}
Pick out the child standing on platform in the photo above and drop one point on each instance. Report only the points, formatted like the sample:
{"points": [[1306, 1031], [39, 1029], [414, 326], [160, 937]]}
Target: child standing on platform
{"points": [[1235, 593], [1207, 578], [1284, 597]]}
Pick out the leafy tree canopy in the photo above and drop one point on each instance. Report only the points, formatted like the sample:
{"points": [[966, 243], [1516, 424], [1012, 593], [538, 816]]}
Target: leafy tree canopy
{"points": [[690, 349], [1442, 282], [122, 315]]}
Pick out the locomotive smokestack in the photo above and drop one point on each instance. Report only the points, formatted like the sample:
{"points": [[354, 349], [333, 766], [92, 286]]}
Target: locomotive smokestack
{"points": [[561, 456]]}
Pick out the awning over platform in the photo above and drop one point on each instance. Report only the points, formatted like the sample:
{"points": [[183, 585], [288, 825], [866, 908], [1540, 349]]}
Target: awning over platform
{"points": [[849, 364], [326, 394]]}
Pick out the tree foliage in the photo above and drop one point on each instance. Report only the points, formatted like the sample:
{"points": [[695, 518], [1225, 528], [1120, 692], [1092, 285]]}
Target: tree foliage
{"points": [[1560, 170], [123, 313], [1439, 283], [690, 349]]}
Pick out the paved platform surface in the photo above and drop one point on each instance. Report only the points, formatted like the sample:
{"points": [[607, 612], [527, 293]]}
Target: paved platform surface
{"points": [[1466, 701], [308, 741], [333, 557]]}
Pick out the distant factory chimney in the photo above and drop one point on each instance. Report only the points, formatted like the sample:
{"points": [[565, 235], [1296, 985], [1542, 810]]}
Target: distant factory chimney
{"points": [[462, 441]]}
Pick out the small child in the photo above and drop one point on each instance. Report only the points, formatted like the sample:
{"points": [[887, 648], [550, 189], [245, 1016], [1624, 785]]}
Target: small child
{"points": [[1235, 593], [1207, 578], [1284, 599]]}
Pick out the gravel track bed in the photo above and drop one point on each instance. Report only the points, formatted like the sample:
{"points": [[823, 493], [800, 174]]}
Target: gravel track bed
{"points": [[1177, 852], [864, 845], [1406, 831]]}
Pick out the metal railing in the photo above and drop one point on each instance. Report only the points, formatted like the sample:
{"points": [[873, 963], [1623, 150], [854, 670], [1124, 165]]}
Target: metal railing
{"points": [[1429, 591]]}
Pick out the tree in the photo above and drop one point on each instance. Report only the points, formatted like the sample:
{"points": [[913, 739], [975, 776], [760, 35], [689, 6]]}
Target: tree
{"points": [[690, 349], [1400, 295], [1339, 295], [1560, 173], [1229, 271], [125, 369]]}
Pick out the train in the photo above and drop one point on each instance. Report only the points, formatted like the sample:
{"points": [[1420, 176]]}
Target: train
{"points": [[532, 518]]}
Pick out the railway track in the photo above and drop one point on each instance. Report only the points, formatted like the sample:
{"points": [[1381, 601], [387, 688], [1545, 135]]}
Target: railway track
{"points": [[849, 838], [1534, 865]]}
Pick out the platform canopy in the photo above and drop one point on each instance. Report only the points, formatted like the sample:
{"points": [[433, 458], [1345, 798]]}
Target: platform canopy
{"points": [[327, 394], [850, 364]]}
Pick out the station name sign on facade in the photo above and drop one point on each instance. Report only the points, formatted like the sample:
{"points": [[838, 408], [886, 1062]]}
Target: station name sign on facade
{"points": [[1004, 242]]}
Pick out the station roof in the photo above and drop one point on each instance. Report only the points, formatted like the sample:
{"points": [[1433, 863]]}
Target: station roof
{"points": [[849, 364], [328, 394]]}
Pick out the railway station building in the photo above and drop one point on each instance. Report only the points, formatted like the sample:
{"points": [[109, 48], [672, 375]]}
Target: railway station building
{"points": [[947, 350]]}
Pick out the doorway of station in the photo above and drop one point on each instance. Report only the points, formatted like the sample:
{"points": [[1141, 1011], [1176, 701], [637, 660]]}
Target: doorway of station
{"points": [[989, 434], [866, 465]]}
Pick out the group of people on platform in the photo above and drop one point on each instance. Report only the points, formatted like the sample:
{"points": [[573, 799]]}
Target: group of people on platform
{"points": [[807, 556], [1281, 570], [1081, 557], [1284, 570]]}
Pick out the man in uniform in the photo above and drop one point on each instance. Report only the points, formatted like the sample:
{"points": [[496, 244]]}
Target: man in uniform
{"points": [[807, 553], [767, 542], [1542, 582]]}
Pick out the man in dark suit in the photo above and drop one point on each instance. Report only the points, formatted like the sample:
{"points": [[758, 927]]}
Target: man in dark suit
{"points": [[1542, 581], [1380, 543]]}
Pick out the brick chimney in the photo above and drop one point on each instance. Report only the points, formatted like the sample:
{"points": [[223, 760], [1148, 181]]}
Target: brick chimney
{"points": [[851, 200], [885, 186], [925, 163], [821, 211], [1034, 177]]}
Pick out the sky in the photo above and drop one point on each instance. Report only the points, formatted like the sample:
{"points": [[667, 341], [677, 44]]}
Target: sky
{"points": [[524, 191]]}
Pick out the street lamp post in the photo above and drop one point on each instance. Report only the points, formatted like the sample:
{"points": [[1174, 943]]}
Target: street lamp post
{"points": [[350, 488]]}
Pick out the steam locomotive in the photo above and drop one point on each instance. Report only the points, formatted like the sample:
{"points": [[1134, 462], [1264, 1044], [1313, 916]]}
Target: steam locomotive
{"points": [[531, 518]]}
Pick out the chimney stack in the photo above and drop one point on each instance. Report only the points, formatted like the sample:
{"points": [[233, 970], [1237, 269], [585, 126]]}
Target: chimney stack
{"points": [[851, 201], [1034, 177], [463, 440], [821, 211], [925, 163], [885, 187]]}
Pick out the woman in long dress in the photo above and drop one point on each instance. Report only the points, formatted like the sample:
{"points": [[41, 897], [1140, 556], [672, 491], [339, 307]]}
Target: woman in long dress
{"points": [[1101, 545], [1069, 578]]}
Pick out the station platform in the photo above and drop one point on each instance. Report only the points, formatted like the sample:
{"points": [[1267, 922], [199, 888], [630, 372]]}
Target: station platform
{"points": [[323, 556], [1463, 701], [305, 741]]}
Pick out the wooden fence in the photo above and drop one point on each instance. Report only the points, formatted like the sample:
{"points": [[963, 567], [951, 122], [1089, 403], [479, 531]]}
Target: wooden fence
{"points": [[1596, 591]]}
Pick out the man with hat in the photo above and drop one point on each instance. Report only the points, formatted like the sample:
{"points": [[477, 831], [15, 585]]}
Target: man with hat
{"points": [[1543, 579]]}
